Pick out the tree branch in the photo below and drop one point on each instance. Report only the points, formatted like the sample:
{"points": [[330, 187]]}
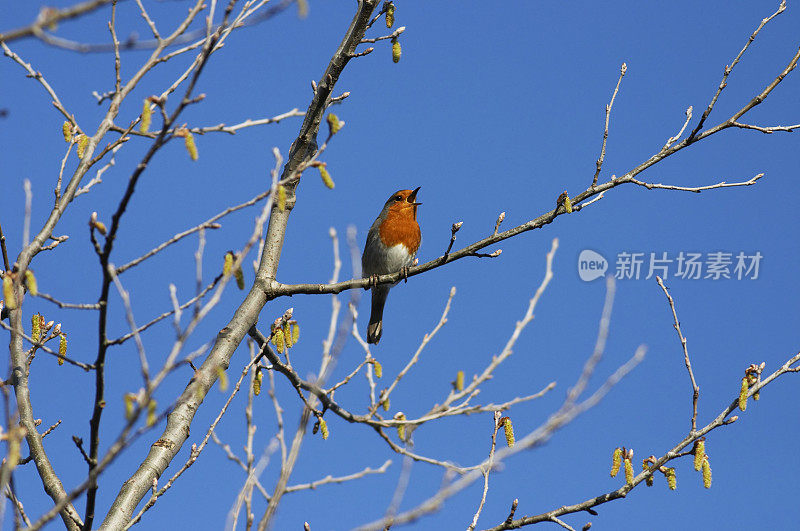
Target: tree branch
{"points": [[230, 337]]}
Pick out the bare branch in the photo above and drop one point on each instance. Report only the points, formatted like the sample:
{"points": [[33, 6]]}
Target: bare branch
{"points": [[601, 158], [486, 472], [207, 224], [327, 480], [729, 69], [675, 452], [50, 16], [677, 326]]}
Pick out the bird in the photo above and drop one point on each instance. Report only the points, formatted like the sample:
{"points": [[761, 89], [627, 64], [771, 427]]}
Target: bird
{"points": [[392, 244]]}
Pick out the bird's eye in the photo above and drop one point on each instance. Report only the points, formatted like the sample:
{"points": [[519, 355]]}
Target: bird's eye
{"points": [[397, 198]]}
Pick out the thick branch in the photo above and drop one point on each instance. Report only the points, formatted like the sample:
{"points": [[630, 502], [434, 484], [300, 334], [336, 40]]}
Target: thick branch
{"points": [[229, 338]]}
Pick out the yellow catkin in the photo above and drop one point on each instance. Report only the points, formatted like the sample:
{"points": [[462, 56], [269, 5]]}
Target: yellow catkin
{"points": [[281, 198], [616, 461], [30, 282], [279, 340], [460, 381], [287, 335], [326, 177], [147, 117], [699, 454], [239, 276], [257, 382], [378, 368], [743, 394], [401, 429], [151, 412], [295, 333], [36, 327], [66, 128], [672, 480], [385, 404], [334, 125], [62, 348], [101, 227], [509, 429], [83, 141], [628, 472], [302, 8], [191, 147], [567, 204], [323, 428], [13, 450], [129, 401], [757, 395], [649, 479], [706, 473], [223, 379], [8, 293], [390, 14], [227, 266], [397, 51]]}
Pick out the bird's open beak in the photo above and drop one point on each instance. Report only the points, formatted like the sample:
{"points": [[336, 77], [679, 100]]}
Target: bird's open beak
{"points": [[412, 198]]}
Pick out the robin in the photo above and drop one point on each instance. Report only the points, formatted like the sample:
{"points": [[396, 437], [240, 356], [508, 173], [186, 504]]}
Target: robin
{"points": [[392, 243]]}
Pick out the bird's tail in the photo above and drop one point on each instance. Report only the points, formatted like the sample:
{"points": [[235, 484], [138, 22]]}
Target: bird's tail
{"points": [[375, 328]]}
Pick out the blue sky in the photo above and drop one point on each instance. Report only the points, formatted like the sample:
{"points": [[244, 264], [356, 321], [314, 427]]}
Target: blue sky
{"points": [[491, 109]]}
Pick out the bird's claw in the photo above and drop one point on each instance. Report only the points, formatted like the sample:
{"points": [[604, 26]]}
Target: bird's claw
{"points": [[404, 274], [373, 281]]}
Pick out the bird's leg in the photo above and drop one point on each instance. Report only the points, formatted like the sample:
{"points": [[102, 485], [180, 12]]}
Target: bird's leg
{"points": [[373, 281], [404, 274]]}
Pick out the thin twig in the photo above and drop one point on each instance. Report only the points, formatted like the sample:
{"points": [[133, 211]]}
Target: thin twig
{"points": [[677, 326], [425, 340], [6, 265], [486, 472], [327, 480], [729, 69], [601, 158], [52, 16], [164, 315], [72, 306]]}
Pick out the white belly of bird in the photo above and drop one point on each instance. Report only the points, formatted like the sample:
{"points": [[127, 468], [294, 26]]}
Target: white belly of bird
{"points": [[397, 258]]}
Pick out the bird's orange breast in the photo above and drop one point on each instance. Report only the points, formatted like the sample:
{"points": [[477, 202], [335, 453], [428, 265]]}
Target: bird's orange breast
{"points": [[400, 227]]}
